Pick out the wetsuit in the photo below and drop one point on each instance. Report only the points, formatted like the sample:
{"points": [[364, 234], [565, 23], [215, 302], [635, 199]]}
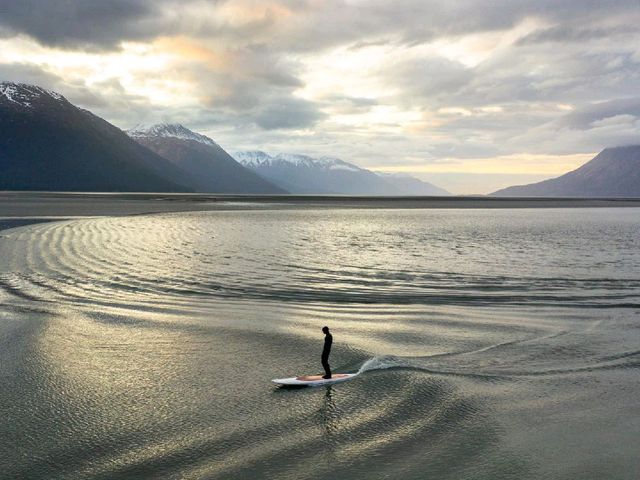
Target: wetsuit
{"points": [[328, 340]]}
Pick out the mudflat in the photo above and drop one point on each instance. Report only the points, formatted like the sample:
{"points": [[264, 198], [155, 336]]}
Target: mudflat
{"points": [[53, 204]]}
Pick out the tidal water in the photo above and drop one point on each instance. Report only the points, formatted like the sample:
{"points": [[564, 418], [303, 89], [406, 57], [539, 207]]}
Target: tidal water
{"points": [[492, 344]]}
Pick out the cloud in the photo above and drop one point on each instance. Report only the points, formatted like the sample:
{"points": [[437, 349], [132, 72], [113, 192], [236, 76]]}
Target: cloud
{"points": [[429, 79], [589, 115], [75, 92], [248, 85], [288, 25], [29, 73], [345, 104], [237, 78], [287, 113], [103, 23], [576, 33], [379, 83]]}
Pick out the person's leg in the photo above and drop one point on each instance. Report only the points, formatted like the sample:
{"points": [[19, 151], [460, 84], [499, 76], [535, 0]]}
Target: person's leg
{"points": [[327, 368]]}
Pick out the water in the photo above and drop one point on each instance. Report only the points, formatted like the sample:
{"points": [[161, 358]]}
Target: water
{"points": [[492, 344]]}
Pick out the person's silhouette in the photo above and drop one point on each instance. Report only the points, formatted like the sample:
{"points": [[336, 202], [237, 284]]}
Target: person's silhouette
{"points": [[328, 340]]}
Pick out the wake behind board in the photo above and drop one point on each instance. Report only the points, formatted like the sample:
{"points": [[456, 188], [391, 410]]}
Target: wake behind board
{"points": [[315, 380]]}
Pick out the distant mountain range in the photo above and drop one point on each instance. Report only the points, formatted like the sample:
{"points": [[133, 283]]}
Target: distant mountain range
{"points": [[46, 143], [327, 175], [614, 172], [212, 169], [409, 185]]}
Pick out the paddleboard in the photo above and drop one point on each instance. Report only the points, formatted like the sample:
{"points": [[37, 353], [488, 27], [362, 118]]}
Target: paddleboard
{"points": [[315, 380]]}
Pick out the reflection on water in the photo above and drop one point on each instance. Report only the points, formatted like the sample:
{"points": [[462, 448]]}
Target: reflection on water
{"points": [[491, 344], [329, 414]]}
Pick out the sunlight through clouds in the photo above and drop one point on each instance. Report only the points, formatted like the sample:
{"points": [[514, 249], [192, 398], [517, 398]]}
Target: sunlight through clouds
{"points": [[383, 84], [138, 68], [511, 164]]}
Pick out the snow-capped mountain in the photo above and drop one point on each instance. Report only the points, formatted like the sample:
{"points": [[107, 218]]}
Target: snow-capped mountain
{"points": [[257, 158], [169, 130], [329, 175], [23, 95], [213, 170], [252, 158], [47, 143]]}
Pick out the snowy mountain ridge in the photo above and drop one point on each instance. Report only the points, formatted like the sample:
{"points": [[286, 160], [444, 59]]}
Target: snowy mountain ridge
{"points": [[169, 130], [258, 158], [303, 174], [23, 94]]}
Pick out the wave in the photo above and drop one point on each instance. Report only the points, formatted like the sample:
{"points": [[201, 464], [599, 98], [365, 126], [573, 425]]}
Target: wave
{"points": [[140, 327], [175, 258], [425, 364]]}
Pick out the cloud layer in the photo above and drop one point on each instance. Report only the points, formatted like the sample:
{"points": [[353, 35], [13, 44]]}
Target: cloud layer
{"points": [[414, 84]]}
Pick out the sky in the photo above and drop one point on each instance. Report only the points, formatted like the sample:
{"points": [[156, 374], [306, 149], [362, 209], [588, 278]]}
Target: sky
{"points": [[470, 95]]}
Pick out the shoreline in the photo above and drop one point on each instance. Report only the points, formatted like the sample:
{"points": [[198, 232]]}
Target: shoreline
{"points": [[55, 205]]}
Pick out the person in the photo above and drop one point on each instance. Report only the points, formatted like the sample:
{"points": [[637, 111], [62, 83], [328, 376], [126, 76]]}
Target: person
{"points": [[328, 340]]}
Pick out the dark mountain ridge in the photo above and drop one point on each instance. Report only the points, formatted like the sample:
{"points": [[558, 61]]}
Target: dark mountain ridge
{"points": [[614, 172], [46, 143], [213, 170]]}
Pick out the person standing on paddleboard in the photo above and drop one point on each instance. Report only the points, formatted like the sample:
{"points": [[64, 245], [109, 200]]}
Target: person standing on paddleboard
{"points": [[328, 340]]}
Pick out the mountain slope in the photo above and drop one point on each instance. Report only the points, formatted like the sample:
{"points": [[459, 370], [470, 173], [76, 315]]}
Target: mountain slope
{"points": [[212, 168], [46, 143], [409, 185], [614, 172], [306, 175]]}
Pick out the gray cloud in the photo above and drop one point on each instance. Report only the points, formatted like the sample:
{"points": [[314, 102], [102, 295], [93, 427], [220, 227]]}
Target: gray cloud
{"points": [[584, 56], [76, 93], [413, 22], [253, 73], [587, 116], [104, 23], [27, 73], [101, 23], [428, 79], [287, 113], [348, 105], [575, 33]]}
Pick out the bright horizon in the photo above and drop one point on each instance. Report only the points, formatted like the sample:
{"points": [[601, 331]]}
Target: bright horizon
{"points": [[470, 98]]}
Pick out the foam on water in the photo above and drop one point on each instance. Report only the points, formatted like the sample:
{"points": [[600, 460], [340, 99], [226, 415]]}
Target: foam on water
{"points": [[383, 363]]}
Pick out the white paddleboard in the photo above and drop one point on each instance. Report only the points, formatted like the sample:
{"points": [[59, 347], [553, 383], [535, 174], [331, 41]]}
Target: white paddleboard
{"points": [[315, 380]]}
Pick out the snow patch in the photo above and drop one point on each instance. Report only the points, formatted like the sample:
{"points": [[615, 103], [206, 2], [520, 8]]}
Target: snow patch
{"points": [[343, 167], [295, 159], [259, 158], [252, 158], [24, 95], [337, 164], [169, 130]]}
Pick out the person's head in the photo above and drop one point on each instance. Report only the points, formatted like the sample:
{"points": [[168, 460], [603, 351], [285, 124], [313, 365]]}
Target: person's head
{"points": [[325, 330]]}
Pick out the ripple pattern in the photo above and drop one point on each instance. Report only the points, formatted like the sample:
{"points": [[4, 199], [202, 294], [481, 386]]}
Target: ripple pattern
{"points": [[142, 346]]}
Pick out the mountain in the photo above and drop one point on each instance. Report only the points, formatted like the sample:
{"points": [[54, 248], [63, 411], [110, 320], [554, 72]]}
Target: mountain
{"points": [[46, 143], [213, 169], [614, 172], [326, 175], [409, 185], [307, 175]]}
